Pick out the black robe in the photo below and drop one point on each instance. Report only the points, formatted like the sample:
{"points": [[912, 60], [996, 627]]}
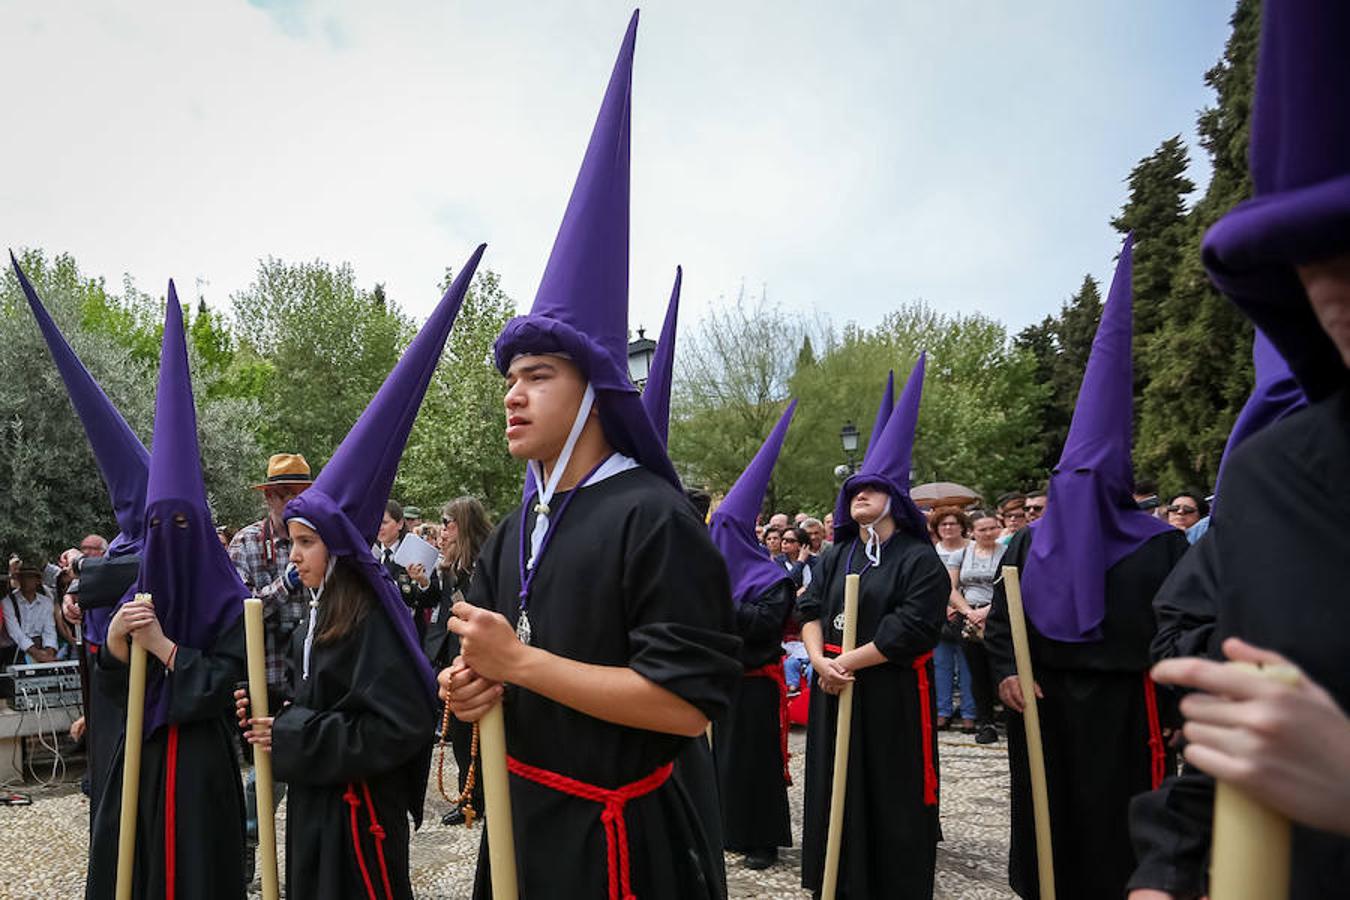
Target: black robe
{"points": [[891, 797], [1277, 581], [629, 578], [747, 744], [357, 736], [208, 797], [1102, 743]]}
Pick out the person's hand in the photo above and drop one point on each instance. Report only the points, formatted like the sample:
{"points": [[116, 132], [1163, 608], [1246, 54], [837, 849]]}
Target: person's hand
{"points": [[831, 676], [77, 728], [487, 642], [977, 616], [952, 613], [1010, 692], [469, 694], [42, 654], [70, 610], [257, 732], [1288, 745], [143, 626], [418, 573], [804, 554]]}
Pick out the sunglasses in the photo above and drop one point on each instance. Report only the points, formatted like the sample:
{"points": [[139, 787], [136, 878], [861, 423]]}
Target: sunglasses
{"points": [[1036, 508], [791, 541], [1183, 510], [446, 520]]}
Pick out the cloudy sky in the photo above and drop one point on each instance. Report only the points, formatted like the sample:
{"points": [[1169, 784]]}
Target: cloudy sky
{"points": [[846, 157]]}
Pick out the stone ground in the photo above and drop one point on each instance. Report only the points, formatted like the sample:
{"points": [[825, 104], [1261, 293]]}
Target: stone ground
{"points": [[45, 844]]}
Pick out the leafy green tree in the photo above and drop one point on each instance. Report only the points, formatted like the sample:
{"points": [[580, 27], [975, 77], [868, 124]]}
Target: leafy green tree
{"points": [[313, 348], [458, 444]]}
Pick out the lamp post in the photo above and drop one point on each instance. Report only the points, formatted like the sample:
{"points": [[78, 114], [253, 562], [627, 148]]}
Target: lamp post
{"points": [[848, 436], [640, 353]]}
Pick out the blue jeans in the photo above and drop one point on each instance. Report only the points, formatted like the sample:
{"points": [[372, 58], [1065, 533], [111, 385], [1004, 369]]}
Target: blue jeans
{"points": [[949, 664], [796, 665]]}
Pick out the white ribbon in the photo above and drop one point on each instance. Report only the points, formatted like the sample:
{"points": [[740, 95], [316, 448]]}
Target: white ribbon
{"points": [[546, 489], [314, 595], [872, 548]]}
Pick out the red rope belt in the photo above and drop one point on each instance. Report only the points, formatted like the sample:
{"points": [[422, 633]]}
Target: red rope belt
{"points": [[774, 672], [613, 801], [1157, 751], [920, 666], [376, 832], [170, 812]]}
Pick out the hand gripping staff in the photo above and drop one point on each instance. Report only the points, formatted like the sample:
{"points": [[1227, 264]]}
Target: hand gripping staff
{"points": [[262, 759], [1250, 857], [1031, 720], [843, 731], [131, 768]]}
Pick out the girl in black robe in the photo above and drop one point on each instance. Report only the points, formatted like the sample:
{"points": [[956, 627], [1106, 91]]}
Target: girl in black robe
{"points": [[353, 748], [890, 834]]}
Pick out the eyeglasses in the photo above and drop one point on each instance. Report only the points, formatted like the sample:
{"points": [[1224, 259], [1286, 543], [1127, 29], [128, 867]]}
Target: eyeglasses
{"points": [[446, 520], [949, 524], [1182, 510], [1036, 508], [791, 541]]}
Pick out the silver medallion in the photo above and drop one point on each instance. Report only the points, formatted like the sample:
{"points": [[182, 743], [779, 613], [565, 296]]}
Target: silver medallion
{"points": [[839, 623], [523, 627]]}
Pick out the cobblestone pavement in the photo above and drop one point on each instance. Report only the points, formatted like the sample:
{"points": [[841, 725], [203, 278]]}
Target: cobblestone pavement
{"points": [[45, 844]]}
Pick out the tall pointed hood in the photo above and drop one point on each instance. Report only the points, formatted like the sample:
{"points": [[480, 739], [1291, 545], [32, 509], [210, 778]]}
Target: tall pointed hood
{"points": [[656, 395], [581, 308], [122, 458], [1275, 395], [887, 462], [195, 588], [883, 415], [1300, 165], [1091, 522], [346, 502], [732, 526]]}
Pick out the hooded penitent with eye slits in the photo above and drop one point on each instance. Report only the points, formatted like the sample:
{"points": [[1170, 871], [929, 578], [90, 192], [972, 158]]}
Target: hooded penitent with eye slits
{"points": [[190, 824]]}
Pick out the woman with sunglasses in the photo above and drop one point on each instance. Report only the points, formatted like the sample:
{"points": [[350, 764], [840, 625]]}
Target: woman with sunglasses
{"points": [[1186, 508]]}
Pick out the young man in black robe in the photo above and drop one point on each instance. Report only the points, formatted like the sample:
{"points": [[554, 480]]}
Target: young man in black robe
{"points": [[750, 744], [190, 820], [890, 834], [1091, 566], [601, 601], [1278, 552]]}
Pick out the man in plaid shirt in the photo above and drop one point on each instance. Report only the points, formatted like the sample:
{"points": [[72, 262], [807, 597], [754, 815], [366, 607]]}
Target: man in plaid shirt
{"points": [[261, 552]]}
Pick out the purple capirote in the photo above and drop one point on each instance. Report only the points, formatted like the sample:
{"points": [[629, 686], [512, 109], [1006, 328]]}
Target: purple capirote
{"points": [[122, 458], [195, 588], [732, 526], [346, 502], [1300, 165], [886, 465], [581, 307], [1091, 521]]}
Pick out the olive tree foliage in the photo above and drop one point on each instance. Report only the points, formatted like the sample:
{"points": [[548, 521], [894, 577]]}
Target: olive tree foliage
{"points": [[51, 491], [458, 444]]}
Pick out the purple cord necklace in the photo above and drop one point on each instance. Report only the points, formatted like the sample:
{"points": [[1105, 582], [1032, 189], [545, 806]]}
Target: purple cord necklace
{"points": [[527, 572]]}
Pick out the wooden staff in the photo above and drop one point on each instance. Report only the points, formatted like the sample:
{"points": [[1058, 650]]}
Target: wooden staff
{"points": [[262, 759], [1250, 859], [843, 731], [131, 768], [1031, 720], [497, 799]]}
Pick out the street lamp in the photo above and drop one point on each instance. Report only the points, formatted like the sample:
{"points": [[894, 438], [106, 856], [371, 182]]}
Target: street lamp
{"points": [[848, 436], [640, 353]]}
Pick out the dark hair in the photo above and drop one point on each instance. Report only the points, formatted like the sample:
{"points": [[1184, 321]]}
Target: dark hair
{"points": [[701, 501], [1038, 492], [394, 510], [1143, 484], [798, 534], [1010, 497], [1197, 495], [978, 514], [347, 598], [471, 521], [944, 512], [773, 529]]}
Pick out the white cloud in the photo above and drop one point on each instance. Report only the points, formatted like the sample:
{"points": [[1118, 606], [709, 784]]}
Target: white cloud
{"points": [[849, 157]]}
